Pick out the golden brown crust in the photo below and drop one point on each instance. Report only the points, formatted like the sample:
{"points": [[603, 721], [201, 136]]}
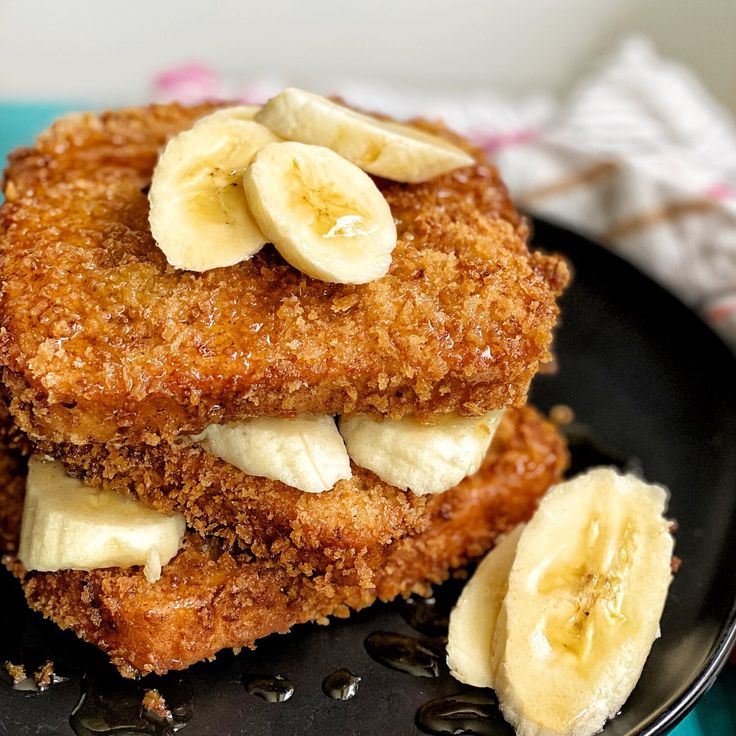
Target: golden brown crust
{"points": [[14, 450], [220, 500], [210, 598], [101, 339]]}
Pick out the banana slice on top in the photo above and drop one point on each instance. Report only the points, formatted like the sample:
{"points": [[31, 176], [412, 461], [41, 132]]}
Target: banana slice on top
{"points": [[425, 458], [233, 112], [585, 595], [68, 525], [323, 214], [473, 619], [199, 216], [394, 151], [306, 452]]}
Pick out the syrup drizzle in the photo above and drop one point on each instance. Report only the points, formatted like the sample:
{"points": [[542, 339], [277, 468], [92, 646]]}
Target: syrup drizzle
{"points": [[341, 685], [424, 615], [26, 685], [408, 654], [111, 705], [431, 616], [29, 684], [472, 712], [276, 689]]}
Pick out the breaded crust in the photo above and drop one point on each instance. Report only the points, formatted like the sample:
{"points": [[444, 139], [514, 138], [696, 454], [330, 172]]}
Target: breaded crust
{"points": [[210, 598], [363, 515], [102, 340]]}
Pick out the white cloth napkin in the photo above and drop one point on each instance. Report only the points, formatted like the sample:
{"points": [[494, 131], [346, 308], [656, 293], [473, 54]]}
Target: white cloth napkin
{"points": [[639, 157]]}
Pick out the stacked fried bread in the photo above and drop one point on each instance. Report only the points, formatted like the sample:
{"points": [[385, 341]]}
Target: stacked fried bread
{"points": [[115, 363]]}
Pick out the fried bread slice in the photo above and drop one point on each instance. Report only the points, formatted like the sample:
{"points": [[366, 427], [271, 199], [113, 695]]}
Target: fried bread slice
{"points": [[102, 340], [217, 499], [212, 597]]}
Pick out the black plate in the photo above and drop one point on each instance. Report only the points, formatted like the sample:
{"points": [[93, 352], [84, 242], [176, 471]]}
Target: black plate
{"points": [[651, 381]]}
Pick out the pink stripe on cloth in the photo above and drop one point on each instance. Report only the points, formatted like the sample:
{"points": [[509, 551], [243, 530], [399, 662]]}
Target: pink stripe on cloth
{"points": [[492, 142], [188, 74], [721, 191], [189, 83]]}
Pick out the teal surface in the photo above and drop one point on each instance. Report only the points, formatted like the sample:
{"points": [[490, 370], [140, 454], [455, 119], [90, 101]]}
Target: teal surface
{"points": [[715, 715], [21, 121]]}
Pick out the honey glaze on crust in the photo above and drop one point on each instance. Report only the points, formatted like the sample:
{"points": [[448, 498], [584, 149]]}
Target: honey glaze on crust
{"points": [[210, 597], [102, 340]]}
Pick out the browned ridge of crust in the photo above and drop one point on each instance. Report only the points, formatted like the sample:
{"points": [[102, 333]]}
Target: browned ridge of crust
{"points": [[210, 598], [101, 340]]}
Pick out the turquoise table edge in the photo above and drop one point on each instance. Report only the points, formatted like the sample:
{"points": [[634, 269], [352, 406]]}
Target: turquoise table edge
{"points": [[20, 122]]}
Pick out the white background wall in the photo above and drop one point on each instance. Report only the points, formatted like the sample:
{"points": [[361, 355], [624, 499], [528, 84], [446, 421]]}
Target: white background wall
{"points": [[108, 51]]}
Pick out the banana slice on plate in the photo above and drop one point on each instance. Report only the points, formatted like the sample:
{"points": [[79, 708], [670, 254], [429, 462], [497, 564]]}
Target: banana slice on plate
{"points": [[323, 214], [199, 216], [473, 619], [394, 151], [424, 458], [306, 453], [67, 525], [585, 595]]}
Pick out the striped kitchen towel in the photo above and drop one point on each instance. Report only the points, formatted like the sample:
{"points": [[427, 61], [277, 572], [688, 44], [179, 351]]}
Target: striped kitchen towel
{"points": [[639, 157]]}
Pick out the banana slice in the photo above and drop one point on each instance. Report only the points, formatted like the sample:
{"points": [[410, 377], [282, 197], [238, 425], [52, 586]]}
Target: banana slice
{"points": [[234, 112], [585, 596], [419, 457], [391, 150], [473, 619], [199, 216], [323, 214], [70, 526], [306, 453]]}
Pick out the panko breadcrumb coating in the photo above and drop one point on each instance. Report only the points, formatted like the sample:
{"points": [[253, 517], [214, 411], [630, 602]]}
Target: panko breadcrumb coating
{"points": [[102, 340], [110, 359], [363, 514], [155, 703], [210, 597]]}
